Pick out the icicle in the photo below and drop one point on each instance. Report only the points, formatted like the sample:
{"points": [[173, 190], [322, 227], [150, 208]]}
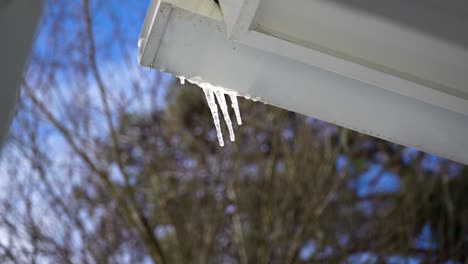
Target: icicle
{"points": [[220, 92], [235, 106], [224, 110], [214, 112], [182, 80]]}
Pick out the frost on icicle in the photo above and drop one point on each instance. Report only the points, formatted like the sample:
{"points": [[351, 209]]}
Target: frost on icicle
{"points": [[222, 104], [214, 112]]}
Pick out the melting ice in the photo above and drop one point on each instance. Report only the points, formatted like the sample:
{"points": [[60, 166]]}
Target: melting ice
{"points": [[222, 104], [213, 94], [209, 94]]}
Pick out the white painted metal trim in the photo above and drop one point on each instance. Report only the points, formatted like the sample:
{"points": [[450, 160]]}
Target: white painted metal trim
{"points": [[353, 70]]}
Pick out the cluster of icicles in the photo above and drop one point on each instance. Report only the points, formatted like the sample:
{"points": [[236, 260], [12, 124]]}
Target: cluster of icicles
{"points": [[213, 94]]}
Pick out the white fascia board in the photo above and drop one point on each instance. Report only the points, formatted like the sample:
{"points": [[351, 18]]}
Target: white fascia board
{"points": [[197, 46]]}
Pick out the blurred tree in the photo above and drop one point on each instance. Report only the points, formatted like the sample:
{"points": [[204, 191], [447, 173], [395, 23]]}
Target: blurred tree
{"points": [[112, 163]]}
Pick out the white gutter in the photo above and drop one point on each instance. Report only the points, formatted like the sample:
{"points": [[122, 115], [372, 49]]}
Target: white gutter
{"points": [[233, 51]]}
